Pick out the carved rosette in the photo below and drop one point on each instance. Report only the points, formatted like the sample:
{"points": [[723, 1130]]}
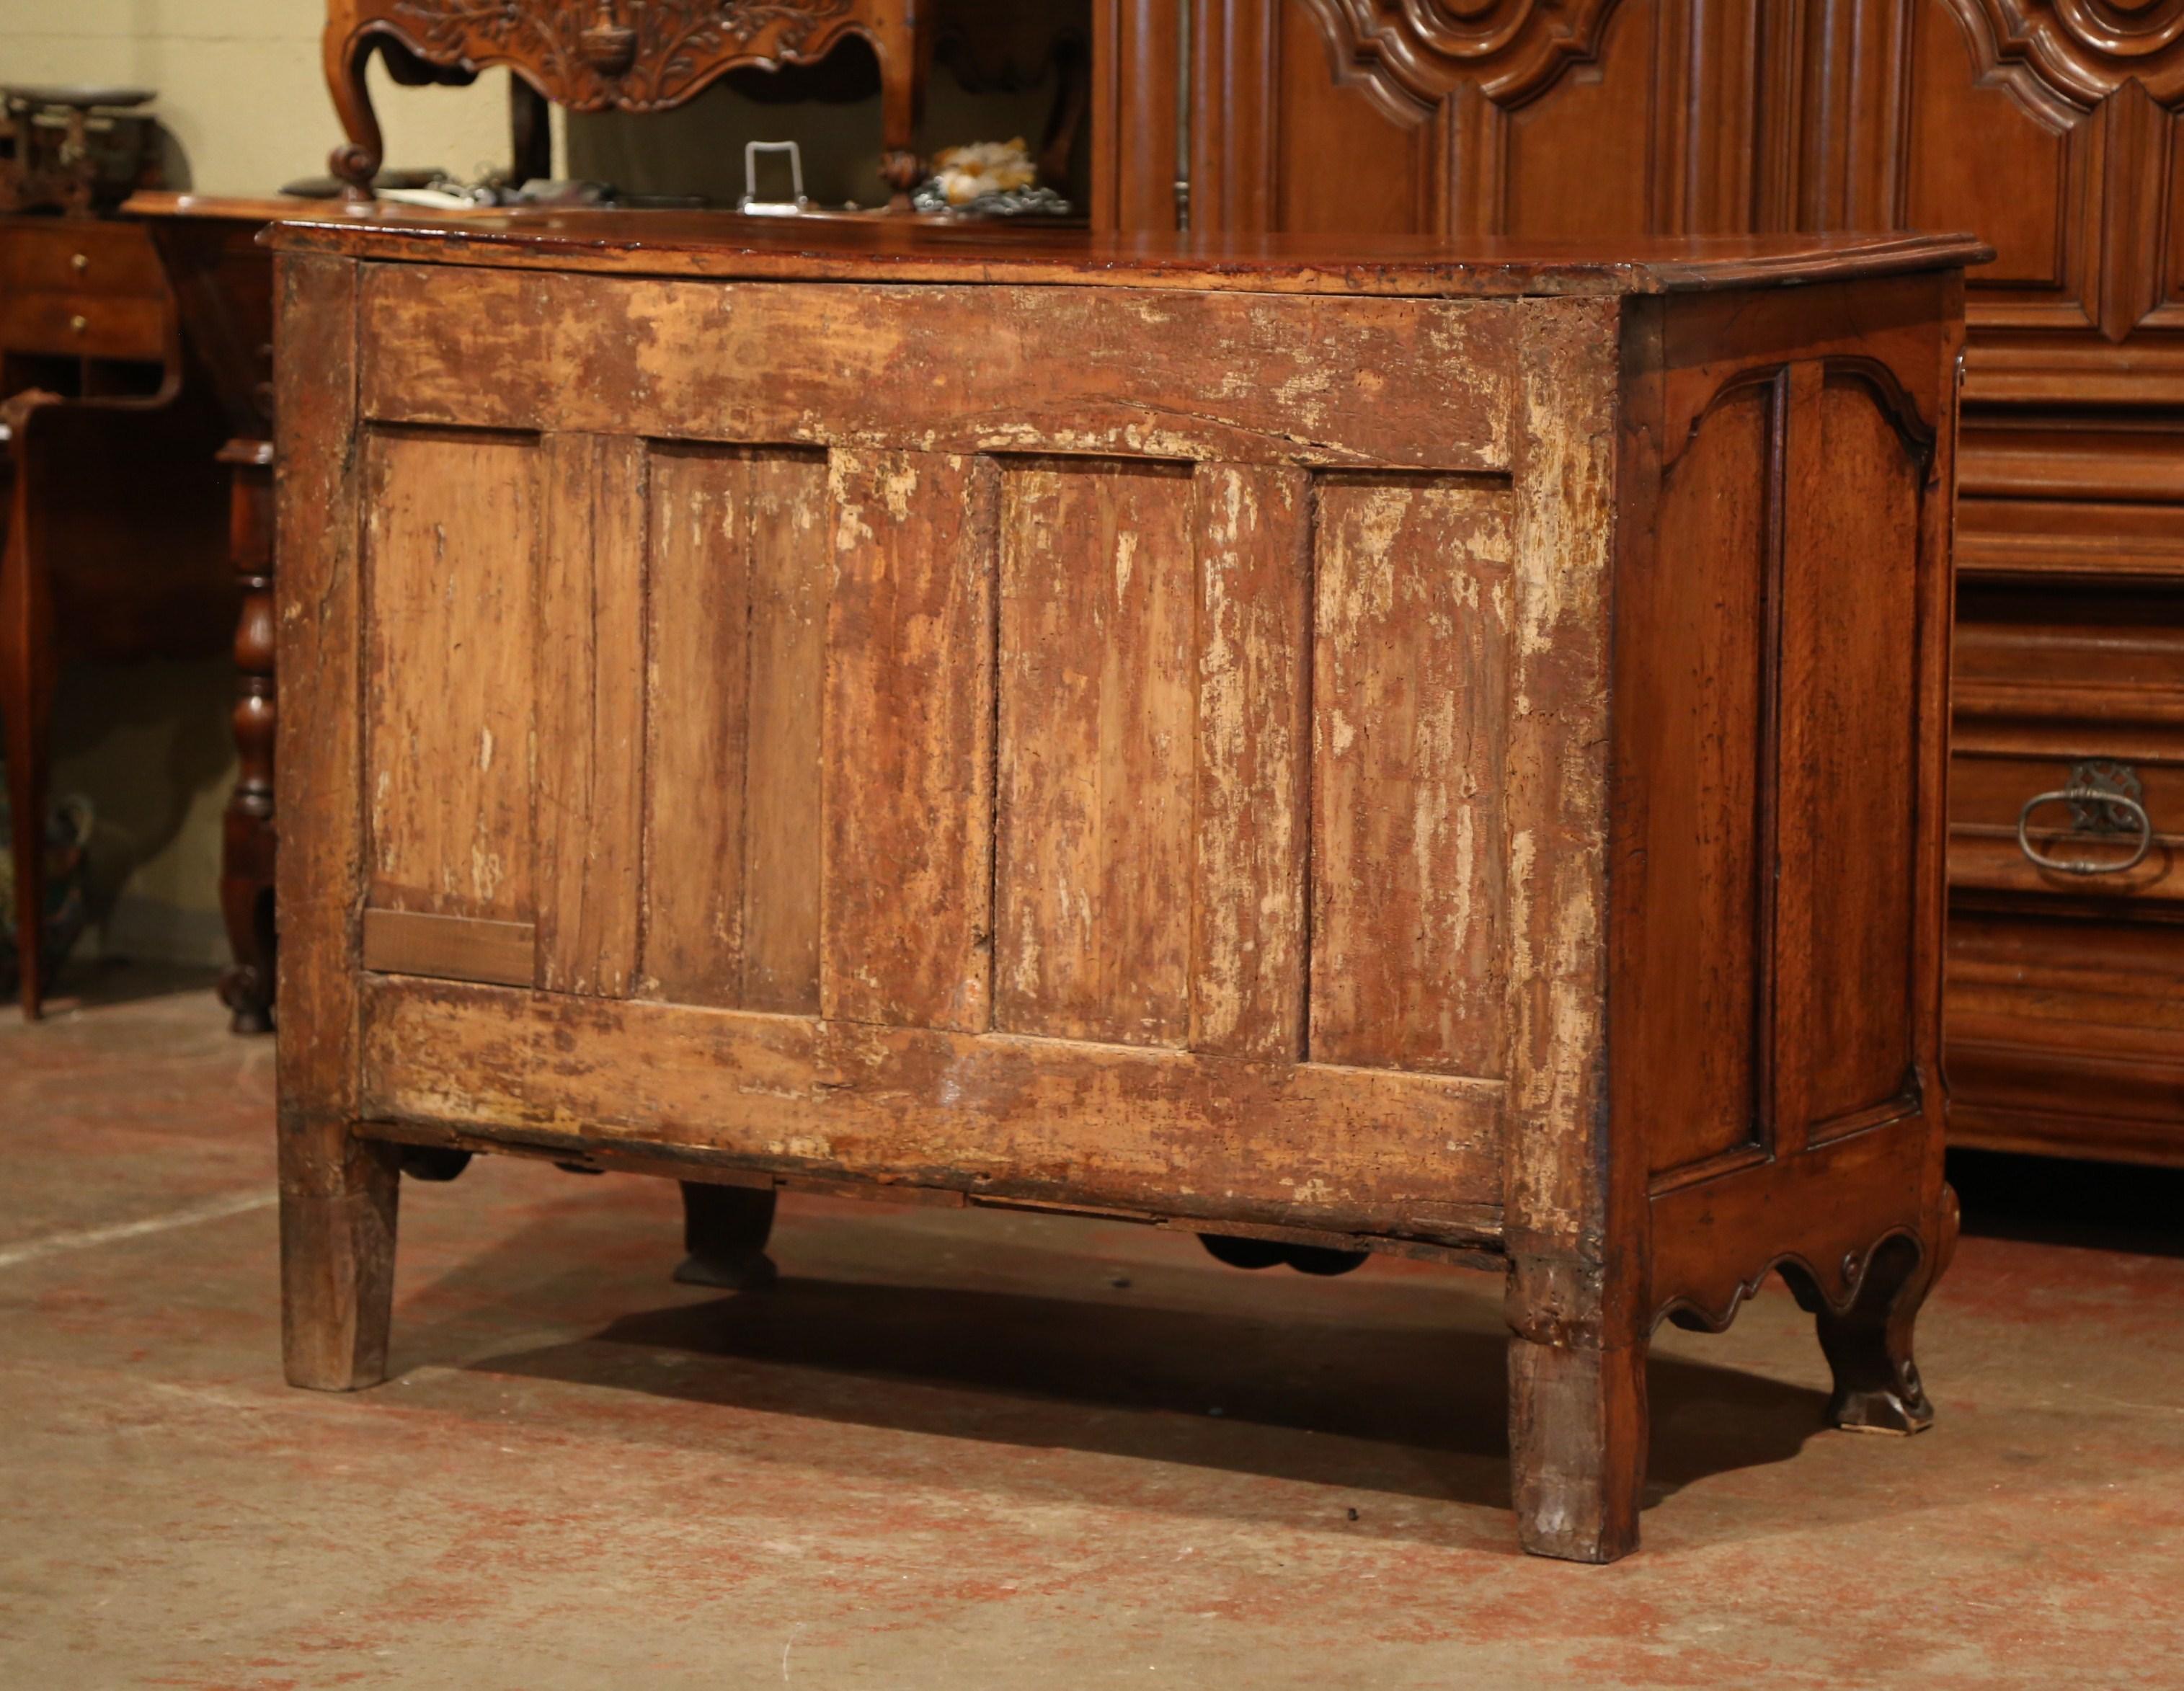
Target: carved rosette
{"points": [[1420, 50], [2088, 49]]}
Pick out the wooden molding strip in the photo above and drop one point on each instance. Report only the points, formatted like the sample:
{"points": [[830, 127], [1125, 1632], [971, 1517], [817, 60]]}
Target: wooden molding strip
{"points": [[1003, 1115], [450, 947]]}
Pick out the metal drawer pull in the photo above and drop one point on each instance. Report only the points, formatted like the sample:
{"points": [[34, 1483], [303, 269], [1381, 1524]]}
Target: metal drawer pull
{"points": [[2105, 800]]}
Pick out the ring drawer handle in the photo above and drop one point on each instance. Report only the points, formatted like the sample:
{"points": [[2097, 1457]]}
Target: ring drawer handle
{"points": [[2105, 799]]}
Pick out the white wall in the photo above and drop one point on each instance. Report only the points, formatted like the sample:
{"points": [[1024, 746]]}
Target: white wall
{"points": [[240, 86], [241, 93]]}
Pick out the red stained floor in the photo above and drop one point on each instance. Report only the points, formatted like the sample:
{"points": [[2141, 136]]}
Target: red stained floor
{"points": [[972, 1449]]}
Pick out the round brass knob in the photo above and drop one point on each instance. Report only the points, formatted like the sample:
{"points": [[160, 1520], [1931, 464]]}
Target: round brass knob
{"points": [[80, 262], [78, 323]]}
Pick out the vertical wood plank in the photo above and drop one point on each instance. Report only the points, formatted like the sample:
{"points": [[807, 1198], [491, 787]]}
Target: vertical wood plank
{"points": [[737, 621], [1247, 970], [1092, 892], [452, 534], [1691, 621], [1410, 725], [321, 870], [1848, 758], [908, 775], [788, 576], [1574, 1212], [1935, 614], [591, 713], [338, 1193], [1137, 60], [697, 697]]}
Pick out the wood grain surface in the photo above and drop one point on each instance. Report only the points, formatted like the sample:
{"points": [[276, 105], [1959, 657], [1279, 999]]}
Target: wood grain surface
{"points": [[1441, 775]]}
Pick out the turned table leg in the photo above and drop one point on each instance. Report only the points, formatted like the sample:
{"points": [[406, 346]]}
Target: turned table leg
{"points": [[1577, 1447], [246, 878], [29, 675], [339, 1200], [724, 1230]]}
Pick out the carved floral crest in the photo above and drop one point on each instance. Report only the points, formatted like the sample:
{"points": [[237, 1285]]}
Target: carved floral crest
{"points": [[631, 55]]}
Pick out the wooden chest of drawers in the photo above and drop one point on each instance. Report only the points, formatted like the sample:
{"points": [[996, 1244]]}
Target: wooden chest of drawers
{"points": [[1400, 751], [78, 288]]}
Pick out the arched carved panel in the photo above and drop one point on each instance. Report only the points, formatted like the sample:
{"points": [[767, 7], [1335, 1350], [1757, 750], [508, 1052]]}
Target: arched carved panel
{"points": [[1579, 161], [1990, 147], [1558, 117], [1368, 160], [2055, 141], [1425, 49], [2088, 49], [1794, 614], [2053, 128]]}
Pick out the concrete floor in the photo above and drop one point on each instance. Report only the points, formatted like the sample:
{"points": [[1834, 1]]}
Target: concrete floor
{"points": [[970, 1450]]}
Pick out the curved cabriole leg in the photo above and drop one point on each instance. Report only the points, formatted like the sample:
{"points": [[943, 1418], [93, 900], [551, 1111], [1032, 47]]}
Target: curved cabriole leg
{"points": [[725, 1230], [902, 42], [356, 162], [1577, 1447], [1877, 1388]]}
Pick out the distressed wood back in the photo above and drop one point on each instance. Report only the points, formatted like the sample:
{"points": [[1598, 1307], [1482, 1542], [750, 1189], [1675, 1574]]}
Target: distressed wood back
{"points": [[1429, 754], [1066, 731]]}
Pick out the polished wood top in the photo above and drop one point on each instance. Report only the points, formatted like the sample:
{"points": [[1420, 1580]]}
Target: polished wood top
{"points": [[723, 244], [262, 209], [168, 205]]}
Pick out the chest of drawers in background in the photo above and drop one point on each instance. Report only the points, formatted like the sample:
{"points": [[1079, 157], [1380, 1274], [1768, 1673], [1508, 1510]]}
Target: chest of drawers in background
{"points": [[2052, 129]]}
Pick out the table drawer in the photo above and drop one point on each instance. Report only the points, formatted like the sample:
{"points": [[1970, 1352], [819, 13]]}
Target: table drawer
{"points": [[2074, 729], [2058, 505], [67, 256], [2068, 818], [2066, 1036], [77, 326]]}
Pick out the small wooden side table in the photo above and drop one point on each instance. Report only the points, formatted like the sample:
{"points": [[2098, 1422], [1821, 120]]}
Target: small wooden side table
{"points": [[616, 55]]}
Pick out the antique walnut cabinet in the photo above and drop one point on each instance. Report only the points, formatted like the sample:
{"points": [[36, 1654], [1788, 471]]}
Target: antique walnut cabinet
{"points": [[2054, 130], [1366, 749]]}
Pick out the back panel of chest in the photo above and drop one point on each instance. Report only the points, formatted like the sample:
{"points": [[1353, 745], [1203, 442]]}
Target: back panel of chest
{"points": [[1054, 740]]}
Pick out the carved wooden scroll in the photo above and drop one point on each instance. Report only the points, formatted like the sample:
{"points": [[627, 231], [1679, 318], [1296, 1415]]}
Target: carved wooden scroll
{"points": [[612, 55]]}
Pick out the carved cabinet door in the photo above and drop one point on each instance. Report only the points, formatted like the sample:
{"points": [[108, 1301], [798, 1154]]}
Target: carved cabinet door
{"points": [[1532, 117], [2051, 128]]}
